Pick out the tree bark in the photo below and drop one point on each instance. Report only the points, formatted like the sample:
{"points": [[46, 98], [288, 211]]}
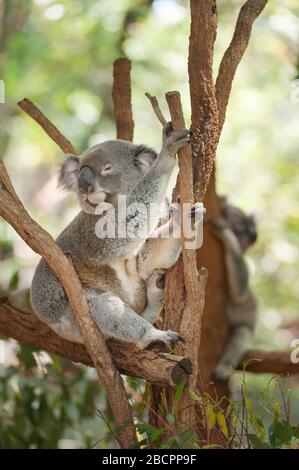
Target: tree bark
{"points": [[121, 97]]}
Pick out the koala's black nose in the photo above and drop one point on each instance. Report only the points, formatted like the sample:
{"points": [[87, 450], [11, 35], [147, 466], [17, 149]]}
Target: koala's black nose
{"points": [[252, 234], [85, 179]]}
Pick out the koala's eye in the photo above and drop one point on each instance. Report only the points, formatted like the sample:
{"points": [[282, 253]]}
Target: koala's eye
{"points": [[107, 169]]}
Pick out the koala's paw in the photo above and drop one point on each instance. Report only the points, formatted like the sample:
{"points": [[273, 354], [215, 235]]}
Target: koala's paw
{"points": [[175, 140], [167, 338], [222, 372], [175, 212]]}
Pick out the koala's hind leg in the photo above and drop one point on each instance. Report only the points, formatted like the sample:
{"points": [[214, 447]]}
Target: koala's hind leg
{"points": [[114, 317], [117, 320], [238, 342]]}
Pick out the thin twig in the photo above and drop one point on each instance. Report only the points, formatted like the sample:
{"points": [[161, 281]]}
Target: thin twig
{"points": [[157, 110], [52, 131], [234, 53]]}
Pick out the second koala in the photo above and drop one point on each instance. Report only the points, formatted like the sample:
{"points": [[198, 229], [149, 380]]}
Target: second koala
{"points": [[122, 276], [237, 231]]}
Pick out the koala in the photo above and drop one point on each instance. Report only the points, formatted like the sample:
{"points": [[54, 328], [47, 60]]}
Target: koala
{"points": [[122, 275], [237, 231]]}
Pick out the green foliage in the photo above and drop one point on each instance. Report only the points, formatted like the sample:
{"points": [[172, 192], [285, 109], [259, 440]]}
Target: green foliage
{"points": [[234, 423], [48, 406]]}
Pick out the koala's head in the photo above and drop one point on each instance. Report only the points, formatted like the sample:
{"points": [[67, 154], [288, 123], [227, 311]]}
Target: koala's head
{"points": [[105, 171], [243, 225]]}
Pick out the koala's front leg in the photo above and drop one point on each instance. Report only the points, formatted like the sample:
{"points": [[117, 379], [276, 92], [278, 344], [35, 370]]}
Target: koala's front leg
{"points": [[163, 248], [237, 272]]}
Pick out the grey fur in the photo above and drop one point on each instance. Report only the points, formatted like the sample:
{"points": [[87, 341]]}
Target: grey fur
{"points": [[235, 230]]}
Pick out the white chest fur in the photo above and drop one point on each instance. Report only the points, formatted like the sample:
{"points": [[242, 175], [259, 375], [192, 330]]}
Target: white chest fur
{"points": [[132, 286]]}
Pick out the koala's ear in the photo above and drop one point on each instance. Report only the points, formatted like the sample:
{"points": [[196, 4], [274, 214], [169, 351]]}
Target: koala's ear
{"points": [[144, 158], [69, 172]]}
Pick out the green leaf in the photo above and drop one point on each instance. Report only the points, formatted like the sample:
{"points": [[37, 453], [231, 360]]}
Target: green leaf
{"points": [[171, 419], [178, 394], [296, 431], [211, 416], [258, 426], [222, 424], [14, 281], [195, 396], [257, 443], [26, 356], [280, 433]]}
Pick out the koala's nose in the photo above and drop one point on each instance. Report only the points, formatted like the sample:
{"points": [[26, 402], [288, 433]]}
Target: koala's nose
{"points": [[86, 179], [252, 234]]}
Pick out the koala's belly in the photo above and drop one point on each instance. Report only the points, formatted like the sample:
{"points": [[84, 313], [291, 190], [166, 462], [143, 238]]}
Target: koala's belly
{"points": [[120, 277], [132, 288]]}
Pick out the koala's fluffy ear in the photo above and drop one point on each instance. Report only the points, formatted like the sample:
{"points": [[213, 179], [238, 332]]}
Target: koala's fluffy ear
{"points": [[144, 158], [69, 172]]}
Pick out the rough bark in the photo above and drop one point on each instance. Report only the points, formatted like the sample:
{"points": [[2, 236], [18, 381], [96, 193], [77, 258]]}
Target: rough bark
{"points": [[204, 113], [215, 323], [233, 55], [121, 97], [193, 282]]}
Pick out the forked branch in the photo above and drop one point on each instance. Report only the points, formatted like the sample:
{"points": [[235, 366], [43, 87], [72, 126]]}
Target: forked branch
{"points": [[233, 55]]}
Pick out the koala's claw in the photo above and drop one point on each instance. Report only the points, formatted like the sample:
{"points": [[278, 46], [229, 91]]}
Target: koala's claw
{"points": [[222, 372], [175, 140], [172, 337], [167, 338], [167, 129]]}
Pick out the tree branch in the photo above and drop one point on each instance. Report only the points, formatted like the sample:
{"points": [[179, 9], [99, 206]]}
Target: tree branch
{"points": [[194, 282], [52, 131], [191, 319], [154, 366], [270, 362], [233, 55], [156, 108], [202, 92], [12, 210], [121, 97]]}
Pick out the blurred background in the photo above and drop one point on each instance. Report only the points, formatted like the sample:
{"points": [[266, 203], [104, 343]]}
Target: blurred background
{"points": [[60, 55]]}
